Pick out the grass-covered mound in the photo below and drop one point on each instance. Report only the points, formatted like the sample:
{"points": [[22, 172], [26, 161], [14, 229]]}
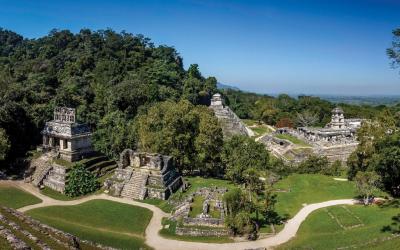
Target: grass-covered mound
{"points": [[298, 189], [15, 198], [106, 222], [344, 226]]}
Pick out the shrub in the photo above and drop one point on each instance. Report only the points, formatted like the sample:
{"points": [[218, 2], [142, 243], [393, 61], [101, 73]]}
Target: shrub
{"points": [[80, 182]]}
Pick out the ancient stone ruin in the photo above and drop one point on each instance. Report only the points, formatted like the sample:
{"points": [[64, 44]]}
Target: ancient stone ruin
{"points": [[230, 122], [144, 175], [336, 141], [22, 232], [65, 139], [71, 140], [211, 218]]}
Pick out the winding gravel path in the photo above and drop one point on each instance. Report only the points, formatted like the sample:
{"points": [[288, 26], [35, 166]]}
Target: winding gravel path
{"points": [[154, 240]]}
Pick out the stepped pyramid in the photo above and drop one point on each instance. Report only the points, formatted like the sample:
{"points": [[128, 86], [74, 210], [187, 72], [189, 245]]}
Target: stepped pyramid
{"points": [[144, 175], [230, 122]]}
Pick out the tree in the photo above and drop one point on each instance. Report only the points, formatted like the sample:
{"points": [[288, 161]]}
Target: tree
{"points": [[4, 144], [284, 123], [114, 134], [370, 133], [367, 184], [394, 51], [314, 164], [307, 118], [80, 182], [241, 153], [238, 209], [190, 134], [386, 162]]}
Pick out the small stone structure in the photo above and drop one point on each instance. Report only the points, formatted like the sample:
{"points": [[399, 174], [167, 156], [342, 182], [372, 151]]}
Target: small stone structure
{"points": [[144, 175], [71, 140], [190, 225], [230, 122]]}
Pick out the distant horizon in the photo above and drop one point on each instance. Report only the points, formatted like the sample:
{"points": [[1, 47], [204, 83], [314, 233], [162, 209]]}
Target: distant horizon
{"points": [[235, 87], [277, 46]]}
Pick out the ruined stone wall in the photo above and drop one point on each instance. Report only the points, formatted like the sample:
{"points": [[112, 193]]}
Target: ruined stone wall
{"points": [[189, 231]]}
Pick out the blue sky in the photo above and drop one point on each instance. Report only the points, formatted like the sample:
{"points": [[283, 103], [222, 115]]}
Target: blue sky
{"points": [[292, 46]]}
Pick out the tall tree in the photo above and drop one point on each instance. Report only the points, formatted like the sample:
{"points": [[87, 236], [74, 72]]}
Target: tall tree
{"points": [[394, 51], [190, 134], [4, 144], [241, 153]]}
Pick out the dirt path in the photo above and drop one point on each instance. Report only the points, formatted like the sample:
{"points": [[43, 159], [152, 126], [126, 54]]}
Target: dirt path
{"points": [[154, 240]]}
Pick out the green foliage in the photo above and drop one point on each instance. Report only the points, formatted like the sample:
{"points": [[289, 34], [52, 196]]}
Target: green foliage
{"points": [[378, 151], [285, 110], [4, 144], [80, 182], [190, 134], [104, 74], [238, 209], [367, 184], [313, 164], [114, 133], [394, 52], [241, 153]]}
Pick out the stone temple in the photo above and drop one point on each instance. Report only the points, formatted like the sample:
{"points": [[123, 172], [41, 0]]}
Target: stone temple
{"points": [[71, 140], [338, 131], [144, 175], [230, 122], [63, 138], [337, 140]]}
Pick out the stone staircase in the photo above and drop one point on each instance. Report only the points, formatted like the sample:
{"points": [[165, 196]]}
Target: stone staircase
{"points": [[135, 187], [56, 178], [42, 167]]}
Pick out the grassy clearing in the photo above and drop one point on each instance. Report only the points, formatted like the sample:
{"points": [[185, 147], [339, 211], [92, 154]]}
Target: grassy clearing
{"points": [[261, 130], [170, 233], [250, 122], [161, 204], [320, 231], [196, 207], [15, 198], [106, 222], [199, 182], [292, 139], [57, 195], [302, 189]]}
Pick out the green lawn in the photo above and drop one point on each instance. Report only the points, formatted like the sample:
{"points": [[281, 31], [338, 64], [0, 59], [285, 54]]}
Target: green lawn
{"points": [[260, 130], [196, 207], [250, 122], [161, 204], [199, 182], [310, 188], [292, 139], [106, 222], [321, 231], [15, 198], [57, 195]]}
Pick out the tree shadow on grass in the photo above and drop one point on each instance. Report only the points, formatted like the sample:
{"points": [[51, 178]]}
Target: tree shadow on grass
{"points": [[394, 228]]}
